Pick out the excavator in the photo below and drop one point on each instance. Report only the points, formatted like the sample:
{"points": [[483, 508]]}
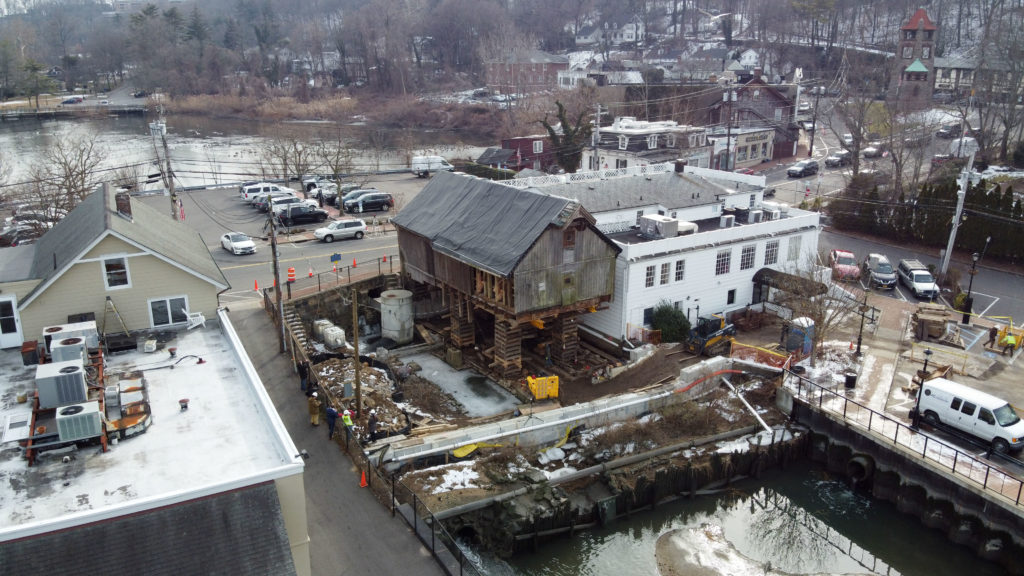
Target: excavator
{"points": [[710, 336]]}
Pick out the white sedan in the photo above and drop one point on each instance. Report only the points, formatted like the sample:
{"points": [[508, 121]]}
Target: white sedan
{"points": [[237, 243]]}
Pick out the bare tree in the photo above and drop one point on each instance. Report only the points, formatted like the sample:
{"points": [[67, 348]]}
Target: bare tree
{"points": [[66, 173], [289, 157], [335, 155]]}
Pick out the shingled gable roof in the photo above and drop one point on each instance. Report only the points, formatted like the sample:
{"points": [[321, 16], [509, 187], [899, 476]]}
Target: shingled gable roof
{"points": [[486, 224], [96, 217], [232, 533]]}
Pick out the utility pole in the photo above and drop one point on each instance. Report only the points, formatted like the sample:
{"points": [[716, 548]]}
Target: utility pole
{"points": [[175, 210], [964, 182], [355, 352], [597, 138], [278, 304], [729, 97], [814, 121]]}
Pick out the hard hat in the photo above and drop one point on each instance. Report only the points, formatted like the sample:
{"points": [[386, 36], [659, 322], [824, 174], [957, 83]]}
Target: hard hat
{"points": [[347, 413], [373, 411], [314, 394]]}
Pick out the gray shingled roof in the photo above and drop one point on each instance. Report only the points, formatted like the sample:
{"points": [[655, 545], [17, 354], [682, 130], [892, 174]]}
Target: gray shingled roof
{"points": [[16, 263], [669, 189], [240, 532], [151, 229], [483, 223]]}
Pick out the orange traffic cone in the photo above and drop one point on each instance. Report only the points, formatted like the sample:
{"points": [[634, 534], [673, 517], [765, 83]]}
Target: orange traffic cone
{"points": [[385, 257], [310, 271], [362, 481], [335, 267], [353, 262], [256, 285]]}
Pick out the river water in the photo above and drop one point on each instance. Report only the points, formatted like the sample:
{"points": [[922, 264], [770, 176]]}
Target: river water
{"points": [[208, 151], [797, 521]]}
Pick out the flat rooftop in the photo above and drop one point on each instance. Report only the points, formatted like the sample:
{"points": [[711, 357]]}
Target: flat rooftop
{"points": [[230, 436]]}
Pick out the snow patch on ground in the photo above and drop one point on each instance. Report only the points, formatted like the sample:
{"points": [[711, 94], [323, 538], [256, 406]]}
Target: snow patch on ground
{"points": [[458, 476]]}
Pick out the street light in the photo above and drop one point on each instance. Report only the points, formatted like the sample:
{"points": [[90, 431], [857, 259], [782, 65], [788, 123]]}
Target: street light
{"points": [[917, 406], [969, 301]]}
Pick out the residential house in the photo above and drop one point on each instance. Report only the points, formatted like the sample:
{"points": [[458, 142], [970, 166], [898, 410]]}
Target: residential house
{"points": [[496, 157], [757, 104], [110, 250], [630, 142], [702, 240], [523, 72], [749, 59], [913, 77], [703, 66], [628, 31], [514, 265], [530, 152]]}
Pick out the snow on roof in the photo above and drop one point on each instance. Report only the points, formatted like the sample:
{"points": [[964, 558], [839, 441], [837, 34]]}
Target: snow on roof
{"points": [[230, 437]]}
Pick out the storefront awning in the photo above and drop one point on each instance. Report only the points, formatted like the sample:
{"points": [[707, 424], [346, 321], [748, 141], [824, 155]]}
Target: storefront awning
{"points": [[789, 282]]}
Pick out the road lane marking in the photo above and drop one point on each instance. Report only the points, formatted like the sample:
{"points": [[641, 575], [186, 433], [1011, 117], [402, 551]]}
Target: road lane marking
{"points": [[306, 258]]}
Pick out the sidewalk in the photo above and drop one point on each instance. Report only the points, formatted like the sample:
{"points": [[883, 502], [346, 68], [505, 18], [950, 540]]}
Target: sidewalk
{"points": [[350, 532]]}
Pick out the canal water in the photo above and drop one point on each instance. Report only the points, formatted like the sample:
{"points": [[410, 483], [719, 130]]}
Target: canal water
{"points": [[797, 521]]}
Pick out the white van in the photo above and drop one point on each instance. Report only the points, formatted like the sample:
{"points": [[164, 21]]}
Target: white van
{"points": [[963, 146], [422, 166], [972, 411]]}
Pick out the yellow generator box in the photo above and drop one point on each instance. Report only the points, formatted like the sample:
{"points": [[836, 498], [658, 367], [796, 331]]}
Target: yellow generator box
{"points": [[543, 386]]}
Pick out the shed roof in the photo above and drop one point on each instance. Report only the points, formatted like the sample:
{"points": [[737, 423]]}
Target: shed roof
{"points": [[486, 224]]}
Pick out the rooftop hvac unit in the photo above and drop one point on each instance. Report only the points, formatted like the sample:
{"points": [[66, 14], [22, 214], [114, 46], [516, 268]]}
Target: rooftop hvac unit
{"points": [[61, 383], [754, 216], [687, 228], [774, 214], [726, 221], [67, 349], [86, 330], [79, 422], [319, 326], [658, 226], [334, 337]]}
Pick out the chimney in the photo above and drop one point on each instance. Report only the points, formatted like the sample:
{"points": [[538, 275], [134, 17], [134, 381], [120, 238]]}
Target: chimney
{"points": [[680, 166], [123, 202]]}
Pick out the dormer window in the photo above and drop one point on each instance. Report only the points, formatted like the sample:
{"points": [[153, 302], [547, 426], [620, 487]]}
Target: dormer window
{"points": [[670, 140], [652, 141], [623, 142], [756, 95]]}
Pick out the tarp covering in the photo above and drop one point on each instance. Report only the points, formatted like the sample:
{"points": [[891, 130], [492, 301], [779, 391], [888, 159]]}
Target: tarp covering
{"points": [[483, 223]]}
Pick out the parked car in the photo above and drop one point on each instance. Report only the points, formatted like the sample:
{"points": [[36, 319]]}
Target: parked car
{"points": [[915, 276], [744, 171], [352, 195], [803, 168], [20, 236], [803, 107], [875, 150], [370, 202], [422, 166], [331, 191], [943, 97], [844, 265], [839, 158], [990, 418], [249, 192], [263, 201], [950, 131], [880, 272], [278, 203], [237, 243], [847, 140], [339, 229], [301, 214]]}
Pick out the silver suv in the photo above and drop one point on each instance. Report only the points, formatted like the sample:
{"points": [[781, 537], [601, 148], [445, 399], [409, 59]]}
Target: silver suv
{"points": [[879, 272]]}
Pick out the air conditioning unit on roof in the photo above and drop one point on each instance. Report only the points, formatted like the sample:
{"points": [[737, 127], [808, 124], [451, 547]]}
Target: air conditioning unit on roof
{"points": [[68, 349], [61, 383], [726, 221], [79, 422], [774, 214], [86, 330]]}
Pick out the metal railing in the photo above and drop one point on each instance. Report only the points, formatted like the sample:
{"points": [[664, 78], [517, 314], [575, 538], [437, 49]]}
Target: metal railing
{"points": [[962, 465]]}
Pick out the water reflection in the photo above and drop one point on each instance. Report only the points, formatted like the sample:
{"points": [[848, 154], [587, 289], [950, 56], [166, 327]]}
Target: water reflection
{"points": [[801, 521]]}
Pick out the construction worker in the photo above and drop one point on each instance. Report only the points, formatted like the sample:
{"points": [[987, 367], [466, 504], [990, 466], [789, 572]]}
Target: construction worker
{"points": [[1009, 344], [993, 333], [332, 417], [314, 410], [303, 370], [346, 419], [371, 426]]}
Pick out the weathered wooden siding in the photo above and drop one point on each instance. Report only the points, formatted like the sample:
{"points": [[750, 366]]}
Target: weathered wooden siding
{"points": [[454, 273], [550, 275], [417, 256], [81, 289]]}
